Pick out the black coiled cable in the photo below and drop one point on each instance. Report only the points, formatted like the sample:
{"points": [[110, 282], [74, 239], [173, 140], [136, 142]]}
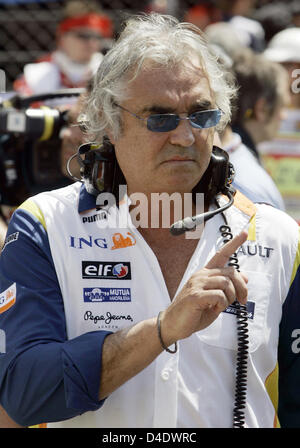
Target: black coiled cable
{"points": [[242, 345]]}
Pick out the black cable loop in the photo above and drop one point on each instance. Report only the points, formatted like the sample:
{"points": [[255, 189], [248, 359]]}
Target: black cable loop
{"points": [[227, 236], [242, 343], [241, 366]]}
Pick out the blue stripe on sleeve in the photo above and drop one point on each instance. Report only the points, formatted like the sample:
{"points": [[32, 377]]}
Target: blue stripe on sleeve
{"points": [[289, 358], [43, 376]]}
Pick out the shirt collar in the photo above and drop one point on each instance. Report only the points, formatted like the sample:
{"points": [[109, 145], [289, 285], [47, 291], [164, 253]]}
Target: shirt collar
{"points": [[86, 201], [247, 140]]}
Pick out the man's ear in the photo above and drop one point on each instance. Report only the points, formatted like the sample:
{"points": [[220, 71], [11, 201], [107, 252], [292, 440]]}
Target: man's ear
{"points": [[260, 110]]}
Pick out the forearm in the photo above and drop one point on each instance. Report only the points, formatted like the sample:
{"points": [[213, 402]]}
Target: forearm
{"points": [[52, 381], [126, 353], [207, 293], [6, 421]]}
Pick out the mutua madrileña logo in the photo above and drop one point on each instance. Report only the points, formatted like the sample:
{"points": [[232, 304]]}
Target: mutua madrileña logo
{"points": [[107, 294]]}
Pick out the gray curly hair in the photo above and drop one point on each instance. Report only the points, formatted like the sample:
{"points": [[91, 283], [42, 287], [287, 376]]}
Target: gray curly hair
{"points": [[164, 41]]}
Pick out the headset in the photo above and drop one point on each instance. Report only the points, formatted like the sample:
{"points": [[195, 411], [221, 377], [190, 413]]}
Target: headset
{"points": [[100, 172], [99, 169]]}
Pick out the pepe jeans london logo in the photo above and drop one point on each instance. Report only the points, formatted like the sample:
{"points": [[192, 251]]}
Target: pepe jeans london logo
{"points": [[108, 319]]}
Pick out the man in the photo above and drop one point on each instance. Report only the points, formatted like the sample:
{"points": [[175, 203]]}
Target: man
{"points": [[282, 154], [262, 91], [284, 49], [143, 332], [238, 14], [82, 36], [259, 107]]}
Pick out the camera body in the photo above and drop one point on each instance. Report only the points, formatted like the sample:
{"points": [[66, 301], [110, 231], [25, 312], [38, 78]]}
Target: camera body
{"points": [[30, 146]]}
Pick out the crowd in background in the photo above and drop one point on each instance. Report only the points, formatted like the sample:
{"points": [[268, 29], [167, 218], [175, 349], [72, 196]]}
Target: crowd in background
{"points": [[258, 42]]}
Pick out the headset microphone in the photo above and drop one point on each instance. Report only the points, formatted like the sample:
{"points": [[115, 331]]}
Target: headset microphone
{"points": [[217, 179], [189, 223]]}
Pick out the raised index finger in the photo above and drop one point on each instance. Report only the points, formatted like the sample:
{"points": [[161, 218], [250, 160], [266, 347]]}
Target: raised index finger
{"points": [[222, 256]]}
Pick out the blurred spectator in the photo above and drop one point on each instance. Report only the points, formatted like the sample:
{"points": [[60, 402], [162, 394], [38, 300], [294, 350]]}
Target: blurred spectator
{"points": [[231, 8], [224, 36], [282, 154], [163, 7], [295, 11], [263, 87], [274, 18], [237, 13], [80, 39], [284, 47], [263, 91], [203, 14]]}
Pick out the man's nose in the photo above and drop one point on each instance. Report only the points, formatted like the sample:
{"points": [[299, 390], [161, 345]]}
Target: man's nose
{"points": [[183, 135]]}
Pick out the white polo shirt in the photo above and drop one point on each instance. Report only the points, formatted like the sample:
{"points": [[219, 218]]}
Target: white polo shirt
{"points": [[110, 279]]}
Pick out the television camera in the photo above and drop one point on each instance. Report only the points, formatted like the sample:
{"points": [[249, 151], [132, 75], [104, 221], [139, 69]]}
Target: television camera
{"points": [[30, 144]]}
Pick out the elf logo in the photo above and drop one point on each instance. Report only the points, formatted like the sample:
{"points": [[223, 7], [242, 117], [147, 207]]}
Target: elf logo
{"points": [[106, 270]]}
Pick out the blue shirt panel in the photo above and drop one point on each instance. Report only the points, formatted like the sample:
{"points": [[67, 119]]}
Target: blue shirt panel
{"points": [[43, 376], [289, 358]]}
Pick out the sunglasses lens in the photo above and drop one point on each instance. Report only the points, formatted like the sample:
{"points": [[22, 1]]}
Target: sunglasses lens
{"points": [[205, 119], [162, 122], [168, 122], [87, 36]]}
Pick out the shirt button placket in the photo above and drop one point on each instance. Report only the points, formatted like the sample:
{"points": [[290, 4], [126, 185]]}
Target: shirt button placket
{"points": [[165, 396]]}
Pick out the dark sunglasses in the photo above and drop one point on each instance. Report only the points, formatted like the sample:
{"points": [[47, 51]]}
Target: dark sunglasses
{"points": [[168, 122], [86, 36]]}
